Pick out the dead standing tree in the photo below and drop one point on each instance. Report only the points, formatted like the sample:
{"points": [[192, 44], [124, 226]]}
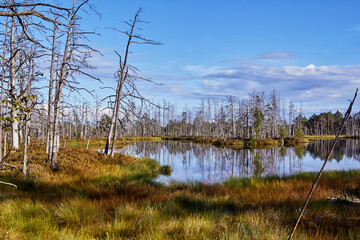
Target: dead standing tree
{"points": [[73, 60], [28, 15], [126, 75], [24, 16]]}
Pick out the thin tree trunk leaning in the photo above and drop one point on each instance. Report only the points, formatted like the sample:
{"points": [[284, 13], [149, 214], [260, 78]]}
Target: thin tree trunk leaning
{"points": [[54, 143], [121, 80], [72, 60], [50, 97], [113, 126], [117, 113], [124, 78], [63, 75], [346, 117]]}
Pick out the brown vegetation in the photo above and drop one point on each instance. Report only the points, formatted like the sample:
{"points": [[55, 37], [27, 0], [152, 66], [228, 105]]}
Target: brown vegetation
{"points": [[92, 196]]}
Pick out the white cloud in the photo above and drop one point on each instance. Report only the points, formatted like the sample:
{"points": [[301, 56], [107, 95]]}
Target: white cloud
{"points": [[319, 87], [325, 86], [105, 68], [213, 84], [200, 69]]}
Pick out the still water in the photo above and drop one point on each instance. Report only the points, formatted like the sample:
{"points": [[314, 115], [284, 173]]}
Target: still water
{"points": [[207, 163]]}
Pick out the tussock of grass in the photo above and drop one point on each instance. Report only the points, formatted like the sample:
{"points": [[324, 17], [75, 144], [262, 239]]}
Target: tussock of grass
{"points": [[97, 197]]}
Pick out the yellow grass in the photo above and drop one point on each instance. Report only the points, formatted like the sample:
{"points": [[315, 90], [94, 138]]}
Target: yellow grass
{"points": [[97, 197]]}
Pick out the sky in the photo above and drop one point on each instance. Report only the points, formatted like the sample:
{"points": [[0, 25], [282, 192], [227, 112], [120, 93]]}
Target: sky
{"points": [[307, 50]]}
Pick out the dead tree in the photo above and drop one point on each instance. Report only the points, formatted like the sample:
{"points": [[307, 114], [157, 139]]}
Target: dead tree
{"points": [[28, 101], [3, 72], [72, 60], [51, 86], [23, 18], [126, 76]]}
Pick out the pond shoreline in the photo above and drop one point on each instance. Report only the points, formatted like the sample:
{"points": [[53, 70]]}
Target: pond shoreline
{"points": [[234, 143], [191, 160], [239, 143], [93, 197]]}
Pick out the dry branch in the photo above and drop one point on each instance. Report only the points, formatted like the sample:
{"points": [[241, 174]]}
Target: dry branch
{"points": [[346, 117], [343, 200], [29, 13], [4, 164], [6, 183]]}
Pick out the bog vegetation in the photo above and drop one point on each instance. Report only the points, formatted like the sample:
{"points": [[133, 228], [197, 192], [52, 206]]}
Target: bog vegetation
{"points": [[98, 197], [68, 190]]}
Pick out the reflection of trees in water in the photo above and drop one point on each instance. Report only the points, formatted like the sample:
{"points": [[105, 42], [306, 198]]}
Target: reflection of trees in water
{"points": [[214, 164], [300, 152], [348, 148]]}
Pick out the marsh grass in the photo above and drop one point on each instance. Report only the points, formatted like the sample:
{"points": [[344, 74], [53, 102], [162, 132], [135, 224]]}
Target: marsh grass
{"points": [[235, 143], [97, 197], [330, 137]]}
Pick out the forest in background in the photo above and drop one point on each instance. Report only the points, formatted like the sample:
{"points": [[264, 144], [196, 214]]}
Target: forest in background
{"points": [[257, 116]]}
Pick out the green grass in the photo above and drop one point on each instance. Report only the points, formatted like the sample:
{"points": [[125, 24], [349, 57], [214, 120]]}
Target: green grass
{"points": [[97, 197]]}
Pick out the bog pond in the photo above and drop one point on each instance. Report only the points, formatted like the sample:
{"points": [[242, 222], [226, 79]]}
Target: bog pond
{"points": [[207, 163]]}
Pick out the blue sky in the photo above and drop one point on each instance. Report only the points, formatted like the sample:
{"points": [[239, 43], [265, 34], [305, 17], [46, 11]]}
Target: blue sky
{"points": [[308, 50]]}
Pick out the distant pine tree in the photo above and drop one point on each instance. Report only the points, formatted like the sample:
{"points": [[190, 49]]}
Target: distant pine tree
{"points": [[299, 132], [283, 132]]}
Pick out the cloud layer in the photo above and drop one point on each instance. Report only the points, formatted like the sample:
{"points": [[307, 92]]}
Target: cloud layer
{"points": [[320, 88]]}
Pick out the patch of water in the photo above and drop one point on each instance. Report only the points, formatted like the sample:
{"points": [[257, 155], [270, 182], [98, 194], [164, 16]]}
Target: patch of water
{"points": [[207, 163]]}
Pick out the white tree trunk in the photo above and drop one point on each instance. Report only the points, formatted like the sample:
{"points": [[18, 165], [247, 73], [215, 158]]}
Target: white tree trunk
{"points": [[13, 95]]}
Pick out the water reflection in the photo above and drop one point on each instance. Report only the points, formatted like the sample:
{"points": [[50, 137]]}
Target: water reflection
{"points": [[191, 161]]}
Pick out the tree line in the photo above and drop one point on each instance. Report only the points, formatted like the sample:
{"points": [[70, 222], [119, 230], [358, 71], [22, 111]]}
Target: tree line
{"points": [[258, 115]]}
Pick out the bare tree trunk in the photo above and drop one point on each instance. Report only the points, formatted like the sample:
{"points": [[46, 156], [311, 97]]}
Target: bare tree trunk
{"points": [[70, 127], [116, 114], [123, 79], [55, 136], [25, 148], [13, 95], [86, 121], [2, 84], [5, 141], [50, 97], [82, 110], [233, 119], [63, 74], [88, 142], [27, 114]]}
